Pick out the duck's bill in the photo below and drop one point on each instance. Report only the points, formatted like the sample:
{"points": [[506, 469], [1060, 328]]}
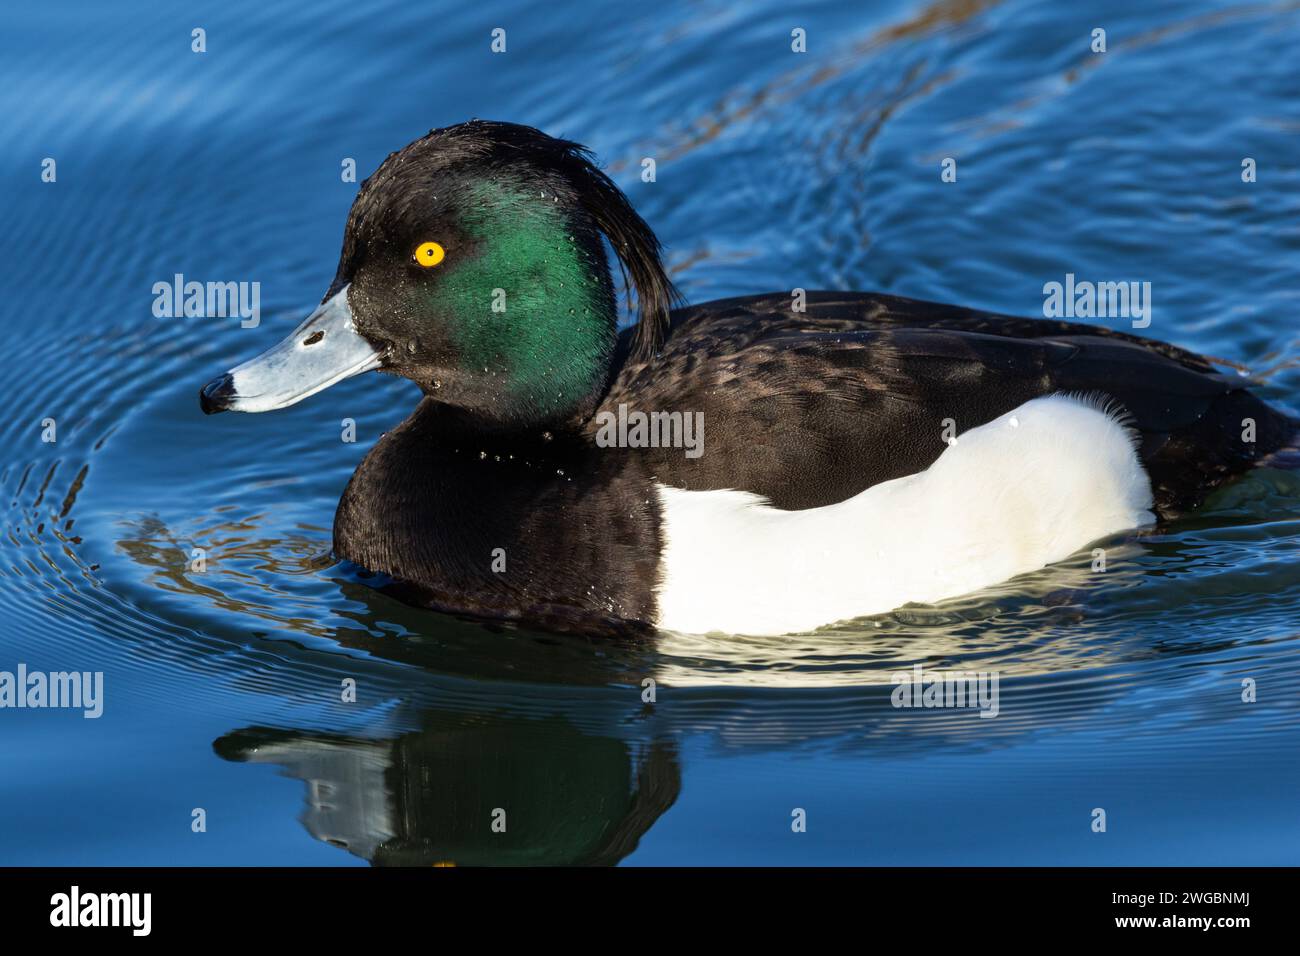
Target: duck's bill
{"points": [[325, 349]]}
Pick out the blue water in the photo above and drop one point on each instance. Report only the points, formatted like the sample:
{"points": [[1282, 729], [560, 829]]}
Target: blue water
{"points": [[1120, 691]]}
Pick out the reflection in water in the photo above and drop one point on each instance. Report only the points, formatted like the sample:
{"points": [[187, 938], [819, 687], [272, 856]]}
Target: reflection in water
{"points": [[473, 790], [237, 561]]}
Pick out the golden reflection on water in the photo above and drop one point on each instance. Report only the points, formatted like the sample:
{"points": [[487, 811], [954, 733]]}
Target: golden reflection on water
{"points": [[237, 555]]}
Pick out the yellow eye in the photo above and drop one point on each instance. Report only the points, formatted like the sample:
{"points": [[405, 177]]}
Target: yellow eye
{"points": [[429, 254]]}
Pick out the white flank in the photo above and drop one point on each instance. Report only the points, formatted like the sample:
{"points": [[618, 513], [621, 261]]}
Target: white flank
{"points": [[1011, 496]]}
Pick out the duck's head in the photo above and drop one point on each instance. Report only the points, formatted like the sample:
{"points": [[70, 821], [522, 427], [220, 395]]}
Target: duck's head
{"points": [[472, 265]]}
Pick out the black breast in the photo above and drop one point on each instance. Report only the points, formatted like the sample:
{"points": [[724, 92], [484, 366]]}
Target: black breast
{"points": [[529, 528]]}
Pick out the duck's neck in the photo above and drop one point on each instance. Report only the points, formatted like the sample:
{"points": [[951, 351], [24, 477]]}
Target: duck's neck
{"points": [[452, 427]]}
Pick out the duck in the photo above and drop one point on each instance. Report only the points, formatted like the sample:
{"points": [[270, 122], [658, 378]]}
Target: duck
{"points": [[761, 465]]}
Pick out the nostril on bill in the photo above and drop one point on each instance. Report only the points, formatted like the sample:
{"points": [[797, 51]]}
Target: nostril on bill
{"points": [[313, 338]]}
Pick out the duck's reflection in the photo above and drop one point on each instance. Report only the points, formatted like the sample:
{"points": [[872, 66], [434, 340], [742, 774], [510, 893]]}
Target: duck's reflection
{"points": [[473, 790]]}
